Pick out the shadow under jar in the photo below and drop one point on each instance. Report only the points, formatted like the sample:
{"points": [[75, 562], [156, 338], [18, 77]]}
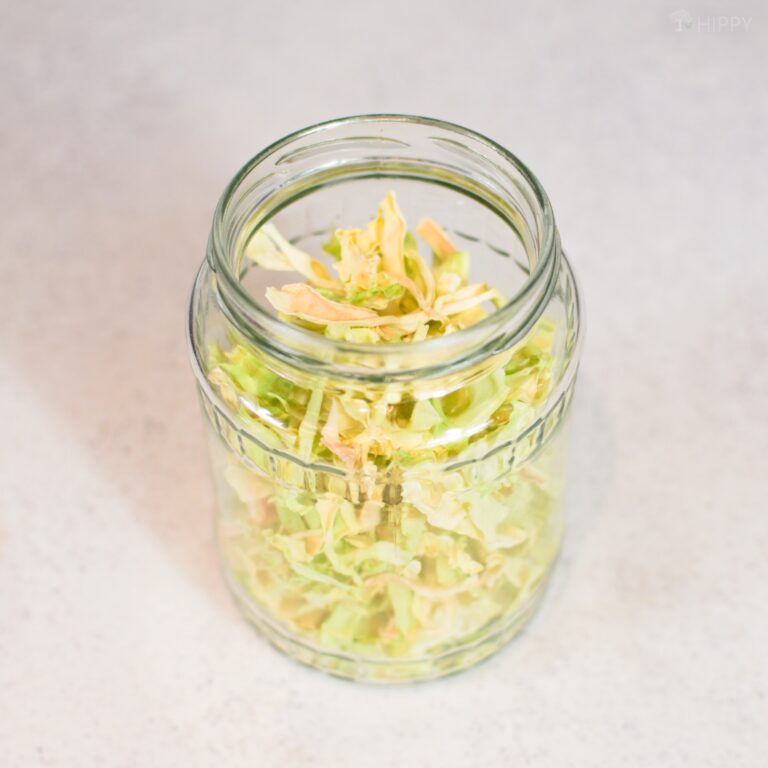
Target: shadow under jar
{"points": [[433, 549]]}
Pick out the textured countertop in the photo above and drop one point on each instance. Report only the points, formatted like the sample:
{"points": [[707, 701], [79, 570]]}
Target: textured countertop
{"points": [[121, 124]]}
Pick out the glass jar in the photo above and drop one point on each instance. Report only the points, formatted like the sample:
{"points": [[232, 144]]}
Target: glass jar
{"points": [[431, 547]]}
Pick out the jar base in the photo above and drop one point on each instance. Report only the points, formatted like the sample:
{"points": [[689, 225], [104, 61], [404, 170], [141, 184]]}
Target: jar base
{"points": [[389, 670]]}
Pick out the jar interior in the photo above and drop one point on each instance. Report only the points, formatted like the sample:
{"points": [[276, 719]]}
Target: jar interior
{"points": [[501, 252], [335, 175]]}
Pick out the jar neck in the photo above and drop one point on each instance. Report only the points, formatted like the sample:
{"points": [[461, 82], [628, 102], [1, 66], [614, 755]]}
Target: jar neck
{"points": [[396, 147]]}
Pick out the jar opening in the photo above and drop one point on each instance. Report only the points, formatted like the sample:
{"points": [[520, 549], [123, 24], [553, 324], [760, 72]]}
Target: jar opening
{"points": [[473, 178]]}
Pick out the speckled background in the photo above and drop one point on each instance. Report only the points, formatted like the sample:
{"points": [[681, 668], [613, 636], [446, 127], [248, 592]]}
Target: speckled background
{"points": [[121, 123]]}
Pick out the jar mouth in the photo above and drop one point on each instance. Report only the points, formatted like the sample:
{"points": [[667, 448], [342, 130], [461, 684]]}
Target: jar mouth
{"points": [[392, 361]]}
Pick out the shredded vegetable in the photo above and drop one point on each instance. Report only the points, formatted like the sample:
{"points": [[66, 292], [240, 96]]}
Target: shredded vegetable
{"points": [[392, 547]]}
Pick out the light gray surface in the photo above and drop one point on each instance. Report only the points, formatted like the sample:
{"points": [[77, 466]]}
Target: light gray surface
{"points": [[121, 124]]}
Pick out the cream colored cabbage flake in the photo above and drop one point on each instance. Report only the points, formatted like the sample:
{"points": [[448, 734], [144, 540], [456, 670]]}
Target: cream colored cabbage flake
{"points": [[303, 301], [392, 231], [270, 250], [434, 235]]}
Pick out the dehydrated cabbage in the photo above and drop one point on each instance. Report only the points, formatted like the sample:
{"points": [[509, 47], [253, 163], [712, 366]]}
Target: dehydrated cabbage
{"points": [[377, 538]]}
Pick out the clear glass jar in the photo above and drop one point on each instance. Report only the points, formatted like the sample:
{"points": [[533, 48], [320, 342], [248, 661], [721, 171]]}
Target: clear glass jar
{"points": [[432, 548]]}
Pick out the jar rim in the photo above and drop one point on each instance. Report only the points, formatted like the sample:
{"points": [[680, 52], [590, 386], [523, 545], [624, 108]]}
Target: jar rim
{"points": [[454, 351]]}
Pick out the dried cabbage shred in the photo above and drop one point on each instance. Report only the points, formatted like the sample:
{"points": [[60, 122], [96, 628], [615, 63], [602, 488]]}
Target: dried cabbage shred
{"points": [[409, 565]]}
